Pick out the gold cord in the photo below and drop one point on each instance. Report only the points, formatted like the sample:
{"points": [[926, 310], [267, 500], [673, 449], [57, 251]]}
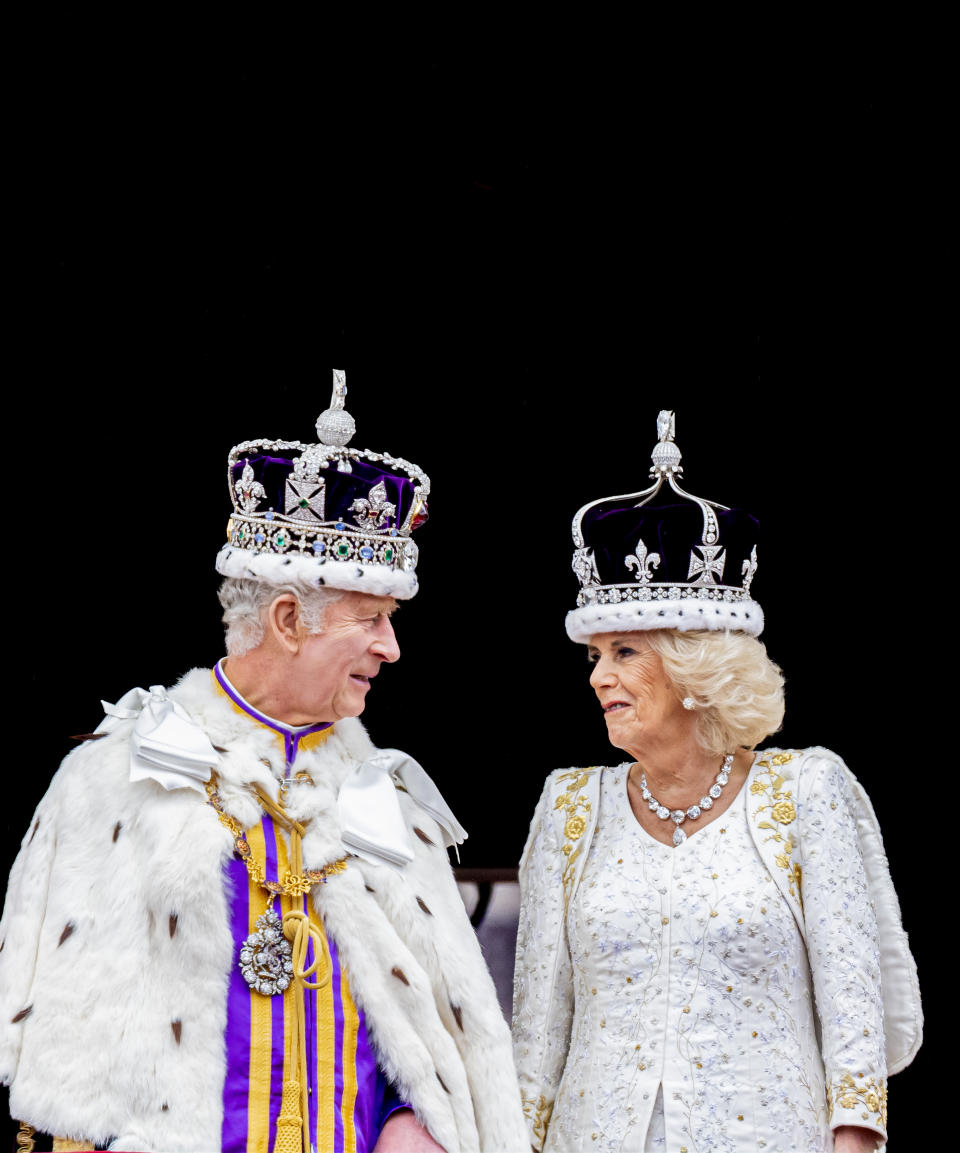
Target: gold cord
{"points": [[294, 1118], [293, 1124]]}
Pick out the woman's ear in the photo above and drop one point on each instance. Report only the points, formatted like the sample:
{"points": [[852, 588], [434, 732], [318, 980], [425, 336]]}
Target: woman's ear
{"points": [[283, 623]]}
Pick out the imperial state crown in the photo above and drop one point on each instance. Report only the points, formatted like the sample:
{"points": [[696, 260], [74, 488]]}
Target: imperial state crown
{"points": [[325, 513]]}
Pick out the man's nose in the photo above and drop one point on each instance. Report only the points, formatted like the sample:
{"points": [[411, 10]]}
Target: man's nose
{"points": [[385, 643]]}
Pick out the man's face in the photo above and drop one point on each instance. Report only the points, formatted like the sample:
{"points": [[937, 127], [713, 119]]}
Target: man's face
{"points": [[334, 668]]}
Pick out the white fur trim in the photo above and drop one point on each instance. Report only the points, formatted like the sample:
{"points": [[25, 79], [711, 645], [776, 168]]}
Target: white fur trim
{"points": [[683, 615], [377, 579]]}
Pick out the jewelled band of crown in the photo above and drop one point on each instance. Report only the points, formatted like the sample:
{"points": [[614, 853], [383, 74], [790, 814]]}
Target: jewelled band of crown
{"points": [[336, 542], [613, 594]]}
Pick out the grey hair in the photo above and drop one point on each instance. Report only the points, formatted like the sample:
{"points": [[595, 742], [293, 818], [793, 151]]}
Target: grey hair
{"points": [[245, 601], [737, 688]]}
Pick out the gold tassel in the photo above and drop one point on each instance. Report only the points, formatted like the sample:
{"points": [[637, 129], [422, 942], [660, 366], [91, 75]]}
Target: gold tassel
{"points": [[289, 1123]]}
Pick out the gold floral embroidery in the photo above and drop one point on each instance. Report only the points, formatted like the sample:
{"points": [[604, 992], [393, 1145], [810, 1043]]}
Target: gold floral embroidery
{"points": [[782, 812], [576, 823], [537, 1111], [859, 1092], [574, 828]]}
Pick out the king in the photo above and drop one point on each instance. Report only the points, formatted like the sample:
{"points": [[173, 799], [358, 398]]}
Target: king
{"points": [[233, 924]]}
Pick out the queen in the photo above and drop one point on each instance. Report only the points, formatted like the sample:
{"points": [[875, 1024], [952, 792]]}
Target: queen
{"points": [[710, 953]]}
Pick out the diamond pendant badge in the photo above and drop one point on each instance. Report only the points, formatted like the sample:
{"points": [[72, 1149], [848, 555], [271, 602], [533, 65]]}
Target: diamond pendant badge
{"points": [[266, 959], [679, 836]]}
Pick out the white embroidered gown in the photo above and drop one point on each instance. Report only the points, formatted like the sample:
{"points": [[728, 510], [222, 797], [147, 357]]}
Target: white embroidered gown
{"points": [[694, 1023]]}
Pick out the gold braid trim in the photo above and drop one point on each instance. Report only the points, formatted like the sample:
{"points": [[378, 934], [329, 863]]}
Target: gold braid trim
{"points": [[782, 812], [68, 1146], [538, 1111], [849, 1092], [577, 810], [25, 1136]]}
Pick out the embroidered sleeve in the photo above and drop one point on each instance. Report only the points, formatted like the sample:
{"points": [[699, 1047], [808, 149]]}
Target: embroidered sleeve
{"points": [[843, 947], [543, 977]]}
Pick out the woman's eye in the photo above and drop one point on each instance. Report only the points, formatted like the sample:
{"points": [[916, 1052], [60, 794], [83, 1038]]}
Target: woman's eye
{"points": [[624, 651], [592, 658]]}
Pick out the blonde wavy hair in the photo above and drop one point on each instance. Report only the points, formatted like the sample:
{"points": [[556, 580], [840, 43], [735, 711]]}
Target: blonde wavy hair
{"points": [[737, 688]]}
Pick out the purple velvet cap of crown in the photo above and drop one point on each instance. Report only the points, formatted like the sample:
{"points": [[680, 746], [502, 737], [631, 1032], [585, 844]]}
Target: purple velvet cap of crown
{"points": [[341, 488], [672, 529]]}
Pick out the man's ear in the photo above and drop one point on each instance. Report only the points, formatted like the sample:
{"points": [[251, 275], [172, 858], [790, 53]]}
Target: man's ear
{"points": [[283, 622]]}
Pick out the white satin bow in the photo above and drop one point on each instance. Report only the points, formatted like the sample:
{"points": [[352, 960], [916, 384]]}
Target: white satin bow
{"points": [[166, 745], [371, 823]]}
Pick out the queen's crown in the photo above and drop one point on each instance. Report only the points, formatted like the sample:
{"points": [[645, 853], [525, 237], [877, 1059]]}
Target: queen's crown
{"points": [[663, 558]]}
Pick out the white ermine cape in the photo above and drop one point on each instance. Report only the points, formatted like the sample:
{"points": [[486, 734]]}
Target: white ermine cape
{"points": [[116, 949]]}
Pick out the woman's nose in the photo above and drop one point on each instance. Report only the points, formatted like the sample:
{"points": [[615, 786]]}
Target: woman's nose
{"points": [[602, 674]]}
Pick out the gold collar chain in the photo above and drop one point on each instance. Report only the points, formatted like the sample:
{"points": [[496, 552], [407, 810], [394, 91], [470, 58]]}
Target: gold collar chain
{"points": [[297, 881]]}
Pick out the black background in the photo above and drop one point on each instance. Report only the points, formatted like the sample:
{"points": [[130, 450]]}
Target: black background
{"points": [[518, 264]]}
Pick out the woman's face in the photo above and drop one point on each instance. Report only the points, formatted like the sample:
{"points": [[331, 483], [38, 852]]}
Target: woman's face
{"points": [[641, 707]]}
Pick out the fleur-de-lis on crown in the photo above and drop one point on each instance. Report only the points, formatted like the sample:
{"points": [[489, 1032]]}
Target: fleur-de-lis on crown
{"points": [[249, 492], [643, 562], [374, 512]]}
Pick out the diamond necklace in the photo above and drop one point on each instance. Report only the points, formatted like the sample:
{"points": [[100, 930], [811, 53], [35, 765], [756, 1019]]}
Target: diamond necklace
{"points": [[678, 816]]}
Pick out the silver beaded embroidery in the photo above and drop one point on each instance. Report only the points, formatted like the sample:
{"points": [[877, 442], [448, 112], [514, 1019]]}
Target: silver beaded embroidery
{"points": [[685, 968]]}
